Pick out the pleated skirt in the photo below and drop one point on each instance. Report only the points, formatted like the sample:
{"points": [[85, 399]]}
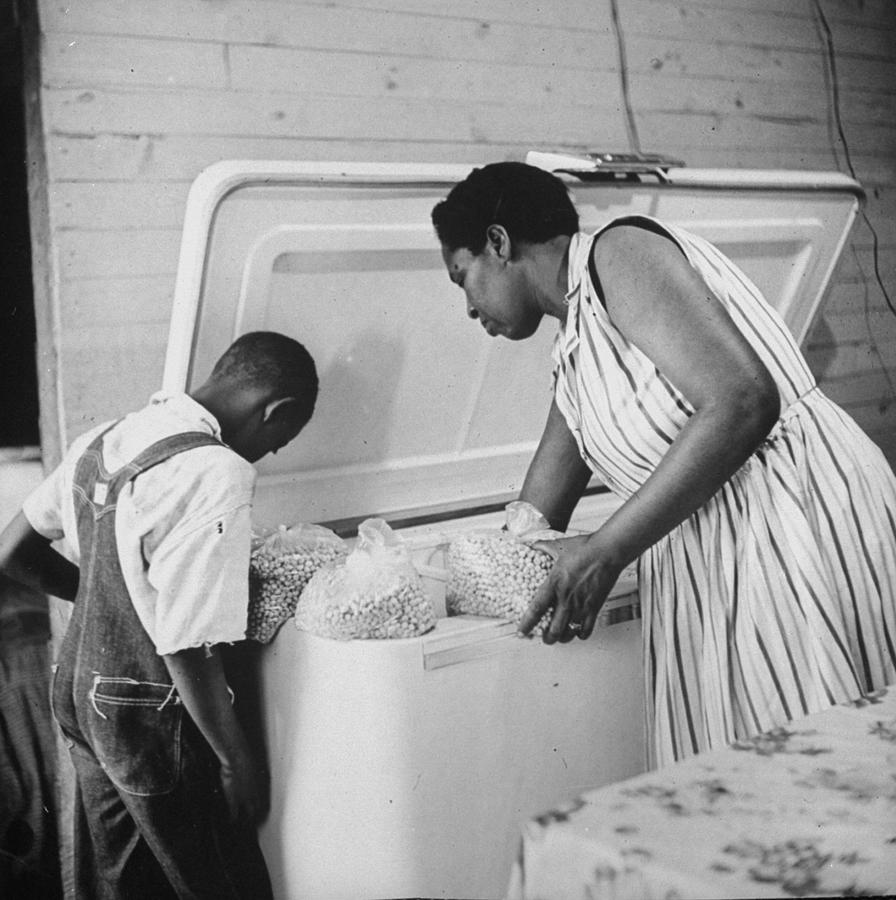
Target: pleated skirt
{"points": [[777, 598]]}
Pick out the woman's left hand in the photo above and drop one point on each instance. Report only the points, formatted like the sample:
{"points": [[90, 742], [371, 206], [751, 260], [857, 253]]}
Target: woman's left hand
{"points": [[575, 589]]}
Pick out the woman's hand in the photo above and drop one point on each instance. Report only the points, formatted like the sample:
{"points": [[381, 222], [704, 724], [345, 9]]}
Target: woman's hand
{"points": [[576, 589]]}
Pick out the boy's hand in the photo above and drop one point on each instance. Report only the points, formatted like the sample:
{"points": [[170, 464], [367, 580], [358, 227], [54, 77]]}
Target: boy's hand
{"points": [[242, 790], [199, 678]]}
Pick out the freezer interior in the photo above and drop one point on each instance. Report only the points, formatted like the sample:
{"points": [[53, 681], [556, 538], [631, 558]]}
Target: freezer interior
{"points": [[403, 768]]}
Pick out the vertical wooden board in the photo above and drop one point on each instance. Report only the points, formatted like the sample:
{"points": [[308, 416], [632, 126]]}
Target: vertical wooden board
{"points": [[80, 156], [781, 118], [219, 21], [100, 254], [658, 91], [741, 62], [569, 14], [845, 298], [878, 420], [208, 112], [90, 60], [868, 388], [665, 92], [880, 219], [686, 129], [853, 12], [285, 70], [859, 73], [109, 372], [862, 39], [759, 156], [846, 360], [119, 206], [43, 260], [858, 264], [155, 158], [87, 303], [877, 324], [707, 24], [330, 28]]}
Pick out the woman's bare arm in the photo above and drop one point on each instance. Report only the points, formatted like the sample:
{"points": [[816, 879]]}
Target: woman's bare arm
{"points": [[557, 475], [658, 302]]}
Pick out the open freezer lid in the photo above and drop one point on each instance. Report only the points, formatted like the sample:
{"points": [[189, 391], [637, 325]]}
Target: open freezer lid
{"points": [[420, 412]]}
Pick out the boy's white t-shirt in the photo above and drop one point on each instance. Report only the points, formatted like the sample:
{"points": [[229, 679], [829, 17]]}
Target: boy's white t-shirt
{"points": [[182, 528]]}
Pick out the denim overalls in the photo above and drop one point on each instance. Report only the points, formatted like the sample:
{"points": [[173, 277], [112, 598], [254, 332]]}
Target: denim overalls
{"points": [[151, 821]]}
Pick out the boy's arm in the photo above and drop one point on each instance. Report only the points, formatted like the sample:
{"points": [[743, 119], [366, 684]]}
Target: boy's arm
{"points": [[198, 675], [28, 557]]}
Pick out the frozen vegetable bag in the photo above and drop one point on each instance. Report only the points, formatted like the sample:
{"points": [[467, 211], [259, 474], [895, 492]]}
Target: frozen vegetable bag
{"points": [[281, 564], [497, 573], [375, 593]]}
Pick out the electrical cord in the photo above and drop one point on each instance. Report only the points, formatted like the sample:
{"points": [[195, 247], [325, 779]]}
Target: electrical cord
{"points": [[630, 124], [835, 103], [635, 143], [875, 242]]}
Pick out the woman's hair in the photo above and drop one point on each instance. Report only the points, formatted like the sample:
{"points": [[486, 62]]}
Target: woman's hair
{"points": [[532, 205], [270, 360]]}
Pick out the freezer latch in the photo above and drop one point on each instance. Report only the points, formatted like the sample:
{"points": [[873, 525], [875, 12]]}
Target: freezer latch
{"points": [[602, 166]]}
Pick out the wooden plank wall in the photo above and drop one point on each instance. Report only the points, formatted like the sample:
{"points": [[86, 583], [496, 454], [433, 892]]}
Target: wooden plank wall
{"points": [[136, 98]]}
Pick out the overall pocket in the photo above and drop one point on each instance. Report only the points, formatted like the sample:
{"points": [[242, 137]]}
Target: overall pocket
{"points": [[135, 729]]}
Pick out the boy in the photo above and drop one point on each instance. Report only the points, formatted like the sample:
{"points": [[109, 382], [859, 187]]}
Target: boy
{"points": [[156, 508]]}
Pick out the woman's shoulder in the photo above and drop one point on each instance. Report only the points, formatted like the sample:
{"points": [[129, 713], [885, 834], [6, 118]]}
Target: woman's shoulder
{"points": [[633, 231]]}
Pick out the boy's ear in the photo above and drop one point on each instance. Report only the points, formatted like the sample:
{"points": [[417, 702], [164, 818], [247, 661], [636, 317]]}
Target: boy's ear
{"points": [[274, 405]]}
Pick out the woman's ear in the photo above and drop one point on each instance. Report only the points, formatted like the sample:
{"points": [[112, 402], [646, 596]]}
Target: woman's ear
{"points": [[498, 241]]}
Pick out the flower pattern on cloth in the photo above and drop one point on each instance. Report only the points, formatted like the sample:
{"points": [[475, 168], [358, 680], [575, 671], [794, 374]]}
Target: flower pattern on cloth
{"points": [[807, 810]]}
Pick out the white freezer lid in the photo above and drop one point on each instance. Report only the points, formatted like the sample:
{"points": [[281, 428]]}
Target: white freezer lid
{"points": [[420, 412]]}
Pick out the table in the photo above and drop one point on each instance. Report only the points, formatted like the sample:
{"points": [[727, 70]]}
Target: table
{"points": [[808, 809]]}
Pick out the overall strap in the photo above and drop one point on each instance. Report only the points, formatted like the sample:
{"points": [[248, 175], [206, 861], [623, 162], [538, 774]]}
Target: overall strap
{"points": [[90, 464], [157, 453], [100, 488]]}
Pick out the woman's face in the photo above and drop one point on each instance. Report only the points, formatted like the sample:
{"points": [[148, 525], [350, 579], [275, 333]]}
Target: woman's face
{"points": [[497, 291]]}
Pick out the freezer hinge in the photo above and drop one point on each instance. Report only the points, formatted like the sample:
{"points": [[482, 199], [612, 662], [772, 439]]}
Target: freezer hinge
{"points": [[599, 166]]}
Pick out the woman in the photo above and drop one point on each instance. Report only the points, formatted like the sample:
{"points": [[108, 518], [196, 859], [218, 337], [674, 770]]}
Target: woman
{"points": [[762, 518]]}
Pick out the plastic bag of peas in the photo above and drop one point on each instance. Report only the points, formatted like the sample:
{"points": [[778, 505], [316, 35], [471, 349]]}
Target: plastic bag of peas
{"points": [[496, 573], [374, 593], [280, 567]]}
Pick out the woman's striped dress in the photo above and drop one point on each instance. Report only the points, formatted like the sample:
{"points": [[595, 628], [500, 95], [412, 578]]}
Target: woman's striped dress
{"points": [[777, 598]]}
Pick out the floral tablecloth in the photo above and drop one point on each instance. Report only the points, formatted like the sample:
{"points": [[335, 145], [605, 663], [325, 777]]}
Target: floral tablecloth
{"points": [[804, 810]]}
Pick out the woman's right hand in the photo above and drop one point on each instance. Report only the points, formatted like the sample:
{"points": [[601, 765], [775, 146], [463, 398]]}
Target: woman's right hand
{"points": [[576, 589]]}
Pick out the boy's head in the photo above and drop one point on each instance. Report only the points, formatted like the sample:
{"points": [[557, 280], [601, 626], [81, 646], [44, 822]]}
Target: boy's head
{"points": [[262, 391]]}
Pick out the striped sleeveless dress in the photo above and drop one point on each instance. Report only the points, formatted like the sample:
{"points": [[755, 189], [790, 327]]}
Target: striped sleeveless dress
{"points": [[777, 598]]}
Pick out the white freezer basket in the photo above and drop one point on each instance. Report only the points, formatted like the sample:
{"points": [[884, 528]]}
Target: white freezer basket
{"points": [[404, 768]]}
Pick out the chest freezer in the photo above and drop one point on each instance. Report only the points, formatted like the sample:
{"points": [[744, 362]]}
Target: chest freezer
{"points": [[404, 768]]}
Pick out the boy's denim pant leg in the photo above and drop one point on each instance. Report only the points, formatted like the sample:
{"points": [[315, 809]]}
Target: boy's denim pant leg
{"points": [[180, 844]]}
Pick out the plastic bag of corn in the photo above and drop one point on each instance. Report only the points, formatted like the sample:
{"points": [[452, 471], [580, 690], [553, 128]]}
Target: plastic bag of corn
{"points": [[280, 566], [497, 573], [374, 593]]}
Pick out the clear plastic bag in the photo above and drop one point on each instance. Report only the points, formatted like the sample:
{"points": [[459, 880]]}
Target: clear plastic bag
{"points": [[375, 593], [498, 573], [280, 567]]}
